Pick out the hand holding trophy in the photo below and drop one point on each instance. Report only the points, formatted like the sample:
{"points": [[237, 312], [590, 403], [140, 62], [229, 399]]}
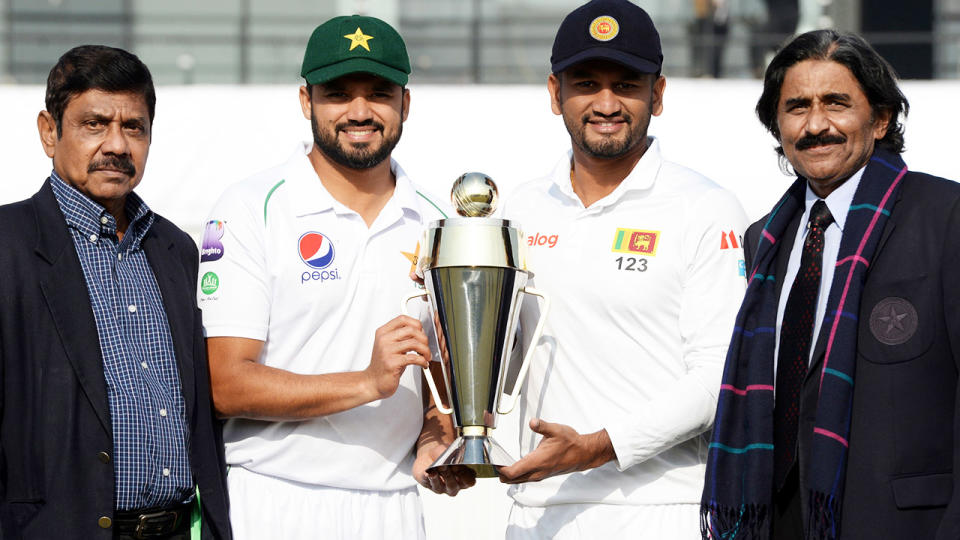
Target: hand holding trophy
{"points": [[474, 270]]}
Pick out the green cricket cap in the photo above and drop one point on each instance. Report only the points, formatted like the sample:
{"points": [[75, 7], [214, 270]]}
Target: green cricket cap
{"points": [[355, 43]]}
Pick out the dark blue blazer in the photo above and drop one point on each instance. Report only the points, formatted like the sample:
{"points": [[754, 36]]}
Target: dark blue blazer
{"points": [[903, 469], [56, 442]]}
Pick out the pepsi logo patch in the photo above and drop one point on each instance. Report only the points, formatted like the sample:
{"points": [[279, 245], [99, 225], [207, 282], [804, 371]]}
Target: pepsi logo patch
{"points": [[604, 28], [316, 250]]}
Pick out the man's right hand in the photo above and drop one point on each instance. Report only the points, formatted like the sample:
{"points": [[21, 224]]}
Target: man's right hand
{"points": [[397, 344]]}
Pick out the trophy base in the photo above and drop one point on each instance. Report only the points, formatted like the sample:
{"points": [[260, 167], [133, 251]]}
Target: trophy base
{"points": [[480, 453]]}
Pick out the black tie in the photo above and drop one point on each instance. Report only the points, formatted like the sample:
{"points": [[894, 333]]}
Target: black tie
{"points": [[796, 334]]}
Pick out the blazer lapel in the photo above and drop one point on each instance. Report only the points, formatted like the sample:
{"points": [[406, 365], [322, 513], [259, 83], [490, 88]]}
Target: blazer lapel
{"points": [[820, 347], [65, 291], [179, 305]]}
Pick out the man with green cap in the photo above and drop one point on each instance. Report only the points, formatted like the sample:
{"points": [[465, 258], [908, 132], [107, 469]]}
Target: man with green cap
{"points": [[303, 266]]}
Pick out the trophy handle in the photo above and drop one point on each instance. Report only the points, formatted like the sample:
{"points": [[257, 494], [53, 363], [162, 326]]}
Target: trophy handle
{"points": [[529, 354], [429, 376]]}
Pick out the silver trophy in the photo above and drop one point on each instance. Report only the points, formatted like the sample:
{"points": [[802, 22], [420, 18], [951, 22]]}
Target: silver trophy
{"points": [[474, 270]]}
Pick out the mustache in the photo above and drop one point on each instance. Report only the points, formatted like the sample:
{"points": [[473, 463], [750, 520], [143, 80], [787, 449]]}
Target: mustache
{"points": [[627, 119], [809, 141], [366, 123], [122, 163]]}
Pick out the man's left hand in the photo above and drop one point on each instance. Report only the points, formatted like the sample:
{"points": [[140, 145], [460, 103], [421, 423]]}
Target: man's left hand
{"points": [[448, 482], [561, 451]]}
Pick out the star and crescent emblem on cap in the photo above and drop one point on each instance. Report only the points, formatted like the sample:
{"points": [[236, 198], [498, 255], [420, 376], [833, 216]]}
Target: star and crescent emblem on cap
{"points": [[358, 39], [604, 28]]}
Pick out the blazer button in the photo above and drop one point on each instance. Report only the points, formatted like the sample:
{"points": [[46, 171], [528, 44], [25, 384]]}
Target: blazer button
{"points": [[104, 522], [103, 457]]}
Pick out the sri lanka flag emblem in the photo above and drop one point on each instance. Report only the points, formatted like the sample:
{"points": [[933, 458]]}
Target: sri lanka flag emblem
{"points": [[636, 241]]}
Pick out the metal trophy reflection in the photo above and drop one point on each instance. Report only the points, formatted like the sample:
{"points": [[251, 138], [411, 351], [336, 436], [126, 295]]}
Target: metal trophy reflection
{"points": [[474, 270]]}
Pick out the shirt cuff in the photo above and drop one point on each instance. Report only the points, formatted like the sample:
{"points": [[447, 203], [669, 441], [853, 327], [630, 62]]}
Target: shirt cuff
{"points": [[623, 445], [235, 330]]}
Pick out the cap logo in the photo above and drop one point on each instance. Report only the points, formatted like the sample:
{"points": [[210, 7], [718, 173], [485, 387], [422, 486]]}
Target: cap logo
{"points": [[604, 28], [358, 39]]}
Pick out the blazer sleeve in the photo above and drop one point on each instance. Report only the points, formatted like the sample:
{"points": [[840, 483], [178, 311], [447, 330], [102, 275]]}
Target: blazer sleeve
{"points": [[950, 524]]}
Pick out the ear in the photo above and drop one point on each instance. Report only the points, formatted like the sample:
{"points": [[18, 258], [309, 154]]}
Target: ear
{"points": [[48, 132], [306, 103], [405, 107], [553, 86], [881, 122], [656, 103]]}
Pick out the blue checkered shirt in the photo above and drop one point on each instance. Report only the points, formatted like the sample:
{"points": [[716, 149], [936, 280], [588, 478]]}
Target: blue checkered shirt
{"points": [[151, 467]]}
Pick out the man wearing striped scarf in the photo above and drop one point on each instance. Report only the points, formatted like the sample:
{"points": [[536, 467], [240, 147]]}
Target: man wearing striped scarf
{"points": [[837, 413]]}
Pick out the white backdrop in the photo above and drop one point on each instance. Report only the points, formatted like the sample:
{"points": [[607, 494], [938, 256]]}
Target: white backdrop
{"points": [[207, 137]]}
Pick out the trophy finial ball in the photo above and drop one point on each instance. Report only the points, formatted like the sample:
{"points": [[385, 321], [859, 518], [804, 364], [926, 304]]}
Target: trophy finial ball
{"points": [[474, 194]]}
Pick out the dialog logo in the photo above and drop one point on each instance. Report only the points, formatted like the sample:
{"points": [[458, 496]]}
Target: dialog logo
{"points": [[543, 240], [316, 250], [211, 249]]}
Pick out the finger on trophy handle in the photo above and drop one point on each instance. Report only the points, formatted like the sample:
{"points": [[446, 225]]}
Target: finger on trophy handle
{"points": [[522, 374], [429, 376]]}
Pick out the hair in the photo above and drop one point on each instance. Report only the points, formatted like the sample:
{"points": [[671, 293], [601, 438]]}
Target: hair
{"points": [[96, 67], [877, 79]]}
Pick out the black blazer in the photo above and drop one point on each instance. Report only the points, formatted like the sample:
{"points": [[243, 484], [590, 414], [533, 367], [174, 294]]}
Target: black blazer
{"points": [[56, 445], [905, 434]]}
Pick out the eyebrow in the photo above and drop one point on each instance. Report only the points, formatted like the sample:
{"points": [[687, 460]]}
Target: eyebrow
{"points": [[832, 97], [94, 115], [836, 96], [797, 101], [385, 87]]}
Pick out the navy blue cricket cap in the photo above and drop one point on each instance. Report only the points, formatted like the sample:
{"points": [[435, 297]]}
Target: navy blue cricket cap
{"points": [[615, 30]]}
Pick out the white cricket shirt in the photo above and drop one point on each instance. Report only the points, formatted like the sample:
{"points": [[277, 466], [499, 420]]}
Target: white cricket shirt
{"points": [[645, 286], [283, 262]]}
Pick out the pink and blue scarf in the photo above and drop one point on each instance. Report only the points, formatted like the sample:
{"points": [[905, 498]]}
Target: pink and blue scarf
{"points": [[738, 490]]}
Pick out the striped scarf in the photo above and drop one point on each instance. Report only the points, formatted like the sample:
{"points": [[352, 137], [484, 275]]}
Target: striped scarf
{"points": [[738, 490]]}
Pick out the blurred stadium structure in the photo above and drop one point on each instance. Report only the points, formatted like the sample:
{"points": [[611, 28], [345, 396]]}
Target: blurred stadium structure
{"points": [[454, 41]]}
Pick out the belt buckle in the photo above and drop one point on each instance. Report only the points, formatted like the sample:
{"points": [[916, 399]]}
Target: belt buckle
{"points": [[155, 524]]}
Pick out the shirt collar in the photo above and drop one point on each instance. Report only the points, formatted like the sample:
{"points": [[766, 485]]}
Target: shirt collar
{"points": [[91, 218], [839, 200], [313, 198], [642, 177]]}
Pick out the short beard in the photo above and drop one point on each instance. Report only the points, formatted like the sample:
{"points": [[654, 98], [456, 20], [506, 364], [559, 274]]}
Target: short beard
{"points": [[606, 148], [363, 157]]}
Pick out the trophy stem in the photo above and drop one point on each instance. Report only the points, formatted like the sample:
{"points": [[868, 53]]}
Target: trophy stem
{"points": [[474, 449]]}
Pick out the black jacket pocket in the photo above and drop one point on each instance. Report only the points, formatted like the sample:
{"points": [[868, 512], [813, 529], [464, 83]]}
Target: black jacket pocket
{"points": [[896, 320]]}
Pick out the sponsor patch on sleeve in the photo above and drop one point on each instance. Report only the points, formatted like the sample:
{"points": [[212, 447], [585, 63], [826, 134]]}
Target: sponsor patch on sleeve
{"points": [[211, 248]]}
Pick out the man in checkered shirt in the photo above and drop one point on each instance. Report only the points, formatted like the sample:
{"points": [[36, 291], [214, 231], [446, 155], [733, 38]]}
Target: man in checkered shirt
{"points": [[106, 428]]}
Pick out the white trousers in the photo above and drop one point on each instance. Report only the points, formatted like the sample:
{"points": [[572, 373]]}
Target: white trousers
{"points": [[264, 508], [604, 521]]}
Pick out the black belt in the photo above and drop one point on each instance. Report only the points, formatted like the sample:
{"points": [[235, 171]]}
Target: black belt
{"points": [[153, 522]]}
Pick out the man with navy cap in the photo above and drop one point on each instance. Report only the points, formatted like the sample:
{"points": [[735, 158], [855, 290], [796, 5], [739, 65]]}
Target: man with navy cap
{"points": [[329, 429], [644, 266]]}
